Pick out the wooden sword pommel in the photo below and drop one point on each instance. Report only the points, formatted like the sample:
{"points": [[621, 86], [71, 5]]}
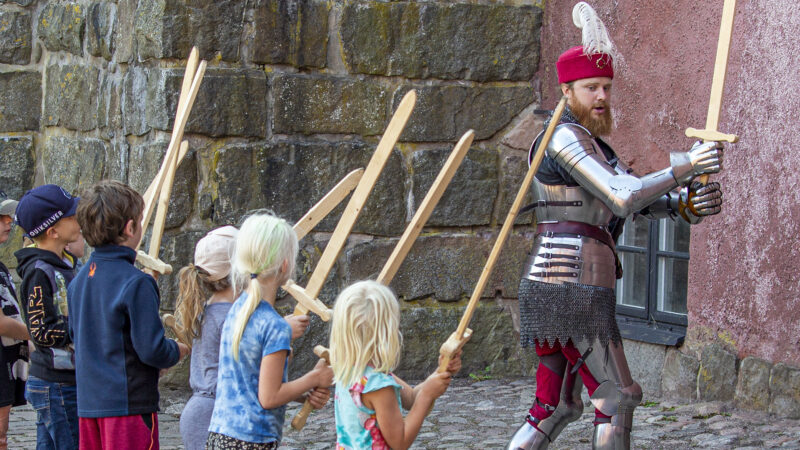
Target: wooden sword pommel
{"points": [[169, 321], [299, 420], [323, 353], [451, 346]]}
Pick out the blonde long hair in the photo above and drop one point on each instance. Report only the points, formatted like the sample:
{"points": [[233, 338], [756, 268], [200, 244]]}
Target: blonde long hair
{"points": [[194, 288], [264, 243], [365, 330]]}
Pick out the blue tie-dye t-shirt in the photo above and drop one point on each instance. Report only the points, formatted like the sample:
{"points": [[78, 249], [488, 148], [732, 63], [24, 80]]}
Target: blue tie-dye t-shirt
{"points": [[237, 411]]}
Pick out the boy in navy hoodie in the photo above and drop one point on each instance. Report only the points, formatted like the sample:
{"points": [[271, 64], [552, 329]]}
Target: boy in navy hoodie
{"points": [[47, 215], [114, 322]]}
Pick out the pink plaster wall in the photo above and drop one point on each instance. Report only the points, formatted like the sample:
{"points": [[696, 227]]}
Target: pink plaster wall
{"points": [[744, 280]]}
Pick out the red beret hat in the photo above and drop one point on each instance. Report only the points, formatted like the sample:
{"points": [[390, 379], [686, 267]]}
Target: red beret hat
{"points": [[573, 65]]}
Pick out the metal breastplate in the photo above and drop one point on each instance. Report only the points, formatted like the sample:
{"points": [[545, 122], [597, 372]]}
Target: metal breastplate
{"points": [[572, 203], [560, 259]]}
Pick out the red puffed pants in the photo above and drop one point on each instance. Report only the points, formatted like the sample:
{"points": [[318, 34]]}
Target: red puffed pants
{"points": [[549, 377]]}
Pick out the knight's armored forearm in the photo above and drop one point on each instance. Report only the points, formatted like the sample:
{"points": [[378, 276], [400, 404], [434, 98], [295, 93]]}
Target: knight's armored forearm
{"points": [[666, 206], [690, 203], [575, 150]]}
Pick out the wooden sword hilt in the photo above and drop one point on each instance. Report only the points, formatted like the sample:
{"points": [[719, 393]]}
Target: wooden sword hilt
{"points": [[153, 264], [451, 346], [306, 303], [711, 135], [300, 418], [448, 350]]}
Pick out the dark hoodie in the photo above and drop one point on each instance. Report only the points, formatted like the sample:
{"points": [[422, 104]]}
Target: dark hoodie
{"points": [[43, 298]]}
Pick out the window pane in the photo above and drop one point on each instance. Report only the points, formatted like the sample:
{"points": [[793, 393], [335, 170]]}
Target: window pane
{"points": [[635, 233], [673, 235], [673, 277], [632, 288]]}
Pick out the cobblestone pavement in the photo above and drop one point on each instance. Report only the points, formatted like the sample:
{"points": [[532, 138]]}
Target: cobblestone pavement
{"points": [[484, 414]]}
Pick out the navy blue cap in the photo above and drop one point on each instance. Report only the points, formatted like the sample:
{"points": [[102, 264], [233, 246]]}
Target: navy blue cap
{"points": [[43, 206]]}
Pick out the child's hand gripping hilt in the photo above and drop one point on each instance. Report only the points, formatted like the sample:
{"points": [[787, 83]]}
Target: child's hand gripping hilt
{"points": [[299, 420], [448, 350]]}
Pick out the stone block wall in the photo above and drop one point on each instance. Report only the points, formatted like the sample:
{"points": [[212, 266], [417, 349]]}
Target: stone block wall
{"points": [[297, 94], [713, 373]]}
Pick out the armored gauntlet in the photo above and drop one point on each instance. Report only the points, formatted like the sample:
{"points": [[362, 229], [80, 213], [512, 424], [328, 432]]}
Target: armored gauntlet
{"points": [[703, 158], [698, 201]]}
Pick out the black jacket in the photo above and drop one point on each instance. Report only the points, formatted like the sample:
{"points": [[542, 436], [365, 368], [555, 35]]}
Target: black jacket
{"points": [[43, 298]]}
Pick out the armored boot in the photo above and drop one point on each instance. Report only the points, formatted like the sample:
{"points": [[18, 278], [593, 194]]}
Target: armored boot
{"points": [[536, 434], [528, 437]]}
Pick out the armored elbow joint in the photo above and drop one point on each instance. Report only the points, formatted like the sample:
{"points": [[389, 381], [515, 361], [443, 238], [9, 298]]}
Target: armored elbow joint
{"points": [[623, 189]]}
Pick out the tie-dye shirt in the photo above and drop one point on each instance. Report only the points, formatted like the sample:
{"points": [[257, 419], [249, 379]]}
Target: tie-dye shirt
{"points": [[357, 425], [237, 411]]}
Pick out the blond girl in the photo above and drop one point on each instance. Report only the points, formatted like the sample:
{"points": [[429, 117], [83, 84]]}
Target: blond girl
{"points": [[365, 347], [252, 385], [205, 295]]}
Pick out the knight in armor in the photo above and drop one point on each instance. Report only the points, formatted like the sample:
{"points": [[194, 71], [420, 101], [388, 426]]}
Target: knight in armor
{"points": [[566, 295]]}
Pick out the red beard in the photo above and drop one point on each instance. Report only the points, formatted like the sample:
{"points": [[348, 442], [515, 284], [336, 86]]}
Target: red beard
{"points": [[598, 126]]}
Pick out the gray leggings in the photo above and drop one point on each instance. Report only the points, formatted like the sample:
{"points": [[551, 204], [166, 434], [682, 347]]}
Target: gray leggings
{"points": [[195, 418]]}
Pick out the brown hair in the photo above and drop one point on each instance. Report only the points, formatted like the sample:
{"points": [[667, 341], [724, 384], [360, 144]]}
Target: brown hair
{"points": [[194, 288], [104, 210]]}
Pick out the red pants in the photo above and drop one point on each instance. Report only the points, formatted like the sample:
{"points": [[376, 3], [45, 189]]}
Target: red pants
{"points": [[549, 378], [137, 432]]}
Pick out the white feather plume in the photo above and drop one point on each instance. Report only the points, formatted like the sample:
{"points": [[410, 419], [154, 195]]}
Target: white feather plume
{"points": [[595, 37]]}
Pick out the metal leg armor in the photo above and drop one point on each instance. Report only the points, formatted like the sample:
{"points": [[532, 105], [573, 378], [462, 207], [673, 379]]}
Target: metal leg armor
{"points": [[569, 409], [617, 394], [528, 437]]}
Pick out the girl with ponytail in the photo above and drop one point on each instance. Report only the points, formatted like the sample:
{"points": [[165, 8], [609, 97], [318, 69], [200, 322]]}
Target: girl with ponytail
{"points": [[205, 295], [253, 386]]}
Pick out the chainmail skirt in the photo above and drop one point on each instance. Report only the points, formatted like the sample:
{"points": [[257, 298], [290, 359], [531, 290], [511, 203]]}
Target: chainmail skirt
{"points": [[559, 312]]}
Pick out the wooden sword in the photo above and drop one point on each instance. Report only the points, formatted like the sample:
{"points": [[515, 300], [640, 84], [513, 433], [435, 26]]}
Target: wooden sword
{"points": [[462, 334], [410, 234], [354, 206], [710, 133]]}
